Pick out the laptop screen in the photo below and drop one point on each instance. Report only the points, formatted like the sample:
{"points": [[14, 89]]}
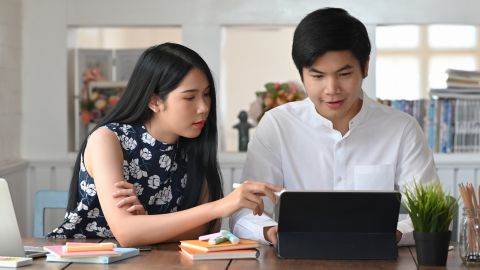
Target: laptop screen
{"points": [[11, 241]]}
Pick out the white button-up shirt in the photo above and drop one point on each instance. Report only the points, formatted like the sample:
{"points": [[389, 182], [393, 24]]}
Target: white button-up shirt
{"points": [[298, 149]]}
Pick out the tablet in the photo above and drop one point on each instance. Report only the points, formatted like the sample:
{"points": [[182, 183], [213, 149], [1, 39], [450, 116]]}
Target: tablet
{"points": [[338, 224]]}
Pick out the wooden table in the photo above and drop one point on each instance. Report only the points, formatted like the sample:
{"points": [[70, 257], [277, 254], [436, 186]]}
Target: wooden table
{"points": [[167, 256]]}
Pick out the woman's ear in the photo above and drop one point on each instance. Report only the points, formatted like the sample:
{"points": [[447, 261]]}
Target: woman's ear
{"points": [[156, 104]]}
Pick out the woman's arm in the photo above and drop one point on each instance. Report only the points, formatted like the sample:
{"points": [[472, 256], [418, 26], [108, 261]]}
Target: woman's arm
{"points": [[104, 162]]}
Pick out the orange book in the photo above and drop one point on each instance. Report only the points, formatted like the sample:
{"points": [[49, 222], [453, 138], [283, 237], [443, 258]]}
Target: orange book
{"points": [[206, 247], [195, 254], [58, 251]]}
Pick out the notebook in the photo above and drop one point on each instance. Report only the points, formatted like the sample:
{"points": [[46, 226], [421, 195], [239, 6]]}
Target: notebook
{"points": [[338, 225], [124, 253], [10, 238]]}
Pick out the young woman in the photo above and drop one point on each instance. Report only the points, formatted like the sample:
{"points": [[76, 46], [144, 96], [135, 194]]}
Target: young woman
{"points": [[156, 152]]}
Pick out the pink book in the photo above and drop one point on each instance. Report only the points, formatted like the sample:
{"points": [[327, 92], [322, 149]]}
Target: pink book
{"points": [[58, 251]]}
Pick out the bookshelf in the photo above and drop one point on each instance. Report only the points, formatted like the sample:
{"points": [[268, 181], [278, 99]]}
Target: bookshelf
{"points": [[450, 119]]}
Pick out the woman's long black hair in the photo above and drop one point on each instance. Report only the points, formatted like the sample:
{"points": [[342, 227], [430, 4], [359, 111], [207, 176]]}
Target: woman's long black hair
{"points": [[158, 71]]}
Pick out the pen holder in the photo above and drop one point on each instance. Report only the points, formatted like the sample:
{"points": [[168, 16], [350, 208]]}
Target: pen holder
{"points": [[469, 244]]}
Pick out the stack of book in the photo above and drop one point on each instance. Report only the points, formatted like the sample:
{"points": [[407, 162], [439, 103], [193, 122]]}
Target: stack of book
{"points": [[459, 83], [466, 79], [103, 253], [202, 250]]}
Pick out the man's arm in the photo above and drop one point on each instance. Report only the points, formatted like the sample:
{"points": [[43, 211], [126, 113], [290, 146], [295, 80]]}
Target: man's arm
{"points": [[263, 164], [415, 164]]}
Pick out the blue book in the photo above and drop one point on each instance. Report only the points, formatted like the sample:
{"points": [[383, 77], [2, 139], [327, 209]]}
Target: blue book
{"points": [[125, 254]]}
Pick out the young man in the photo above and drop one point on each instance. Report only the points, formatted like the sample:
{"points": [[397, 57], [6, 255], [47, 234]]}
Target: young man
{"points": [[338, 138]]}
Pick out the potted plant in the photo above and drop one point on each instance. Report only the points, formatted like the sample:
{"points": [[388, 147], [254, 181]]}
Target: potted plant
{"points": [[431, 212]]}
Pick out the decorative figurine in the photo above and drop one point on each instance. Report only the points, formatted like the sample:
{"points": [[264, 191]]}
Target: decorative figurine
{"points": [[243, 133]]}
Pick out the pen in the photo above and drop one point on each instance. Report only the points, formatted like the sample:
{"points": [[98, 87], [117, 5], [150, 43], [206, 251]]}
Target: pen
{"points": [[236, 185], [92, 247]]}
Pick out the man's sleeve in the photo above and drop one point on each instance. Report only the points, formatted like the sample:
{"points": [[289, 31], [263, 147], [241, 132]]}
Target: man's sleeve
{"points": [[263, 164], [415, 164]]}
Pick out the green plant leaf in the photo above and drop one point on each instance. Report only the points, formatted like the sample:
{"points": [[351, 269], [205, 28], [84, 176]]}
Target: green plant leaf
{"points": [[429, 208]]}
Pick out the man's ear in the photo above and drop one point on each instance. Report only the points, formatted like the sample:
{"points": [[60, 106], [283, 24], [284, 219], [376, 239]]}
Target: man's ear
{"points": [[156, 104], [365, 68]]}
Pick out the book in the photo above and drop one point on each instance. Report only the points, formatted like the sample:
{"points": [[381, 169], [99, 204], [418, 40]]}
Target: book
{"points": [[195, 254], [125, 253], [205, 246], [59, 252], [75, 246], [14, 262]]}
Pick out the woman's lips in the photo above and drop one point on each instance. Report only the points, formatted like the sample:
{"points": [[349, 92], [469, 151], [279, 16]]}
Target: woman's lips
{"points": [[199, 124]]}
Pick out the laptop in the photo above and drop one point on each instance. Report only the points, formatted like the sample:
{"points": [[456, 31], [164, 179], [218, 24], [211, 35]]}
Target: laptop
{"points": [[339, 225], [10, 238]]}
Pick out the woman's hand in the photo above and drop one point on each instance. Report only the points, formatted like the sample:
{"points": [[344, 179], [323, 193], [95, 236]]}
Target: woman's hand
{"points": [[248, 195], [126, 191]]}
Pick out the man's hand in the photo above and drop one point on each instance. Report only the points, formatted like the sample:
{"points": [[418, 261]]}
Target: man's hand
{"points": [[270, 234], [398, 236]]}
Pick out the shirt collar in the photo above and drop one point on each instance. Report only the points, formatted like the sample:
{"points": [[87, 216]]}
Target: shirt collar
{"points": [[362, 114], [355, 121]]}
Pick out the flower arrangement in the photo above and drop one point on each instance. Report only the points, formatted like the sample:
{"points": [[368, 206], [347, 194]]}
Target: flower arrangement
{"points": [[96, 101], [275, 94]]}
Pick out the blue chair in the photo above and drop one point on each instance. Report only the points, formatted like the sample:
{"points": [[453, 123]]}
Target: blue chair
{"points": [[44, 200]]}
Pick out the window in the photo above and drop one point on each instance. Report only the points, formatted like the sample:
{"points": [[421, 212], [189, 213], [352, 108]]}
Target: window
{"points": [[411, 59]]}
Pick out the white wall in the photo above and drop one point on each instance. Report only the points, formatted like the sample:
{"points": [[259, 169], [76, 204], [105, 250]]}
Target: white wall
{"points": [[12, 168], [10, 80]]}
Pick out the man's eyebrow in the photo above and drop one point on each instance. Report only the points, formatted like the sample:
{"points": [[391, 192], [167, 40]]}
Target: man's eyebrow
{"points": [[345, 67]]}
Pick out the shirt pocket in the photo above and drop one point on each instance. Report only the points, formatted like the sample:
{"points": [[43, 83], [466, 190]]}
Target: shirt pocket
{"points": [[374, 177]]}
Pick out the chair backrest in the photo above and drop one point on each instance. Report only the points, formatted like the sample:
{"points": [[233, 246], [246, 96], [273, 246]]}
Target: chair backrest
{"points": [[454, 235], [44, 200]]}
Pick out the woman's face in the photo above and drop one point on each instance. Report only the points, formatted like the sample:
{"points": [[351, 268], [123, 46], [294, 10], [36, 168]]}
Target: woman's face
{"points": [[185, 110]]}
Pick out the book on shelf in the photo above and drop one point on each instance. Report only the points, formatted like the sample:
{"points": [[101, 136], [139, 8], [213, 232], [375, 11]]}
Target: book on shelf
{"points": [[13, 262], [123, 253], [196, 254], [464, 79], [454, 92], [206, 247]]}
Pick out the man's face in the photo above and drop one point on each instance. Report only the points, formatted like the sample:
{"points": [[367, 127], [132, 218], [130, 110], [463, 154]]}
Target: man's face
{"points": [[334, 84]]}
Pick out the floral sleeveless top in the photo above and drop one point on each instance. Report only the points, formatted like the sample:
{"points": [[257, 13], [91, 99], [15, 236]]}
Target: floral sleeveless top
{"points": [[157, 170]]}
